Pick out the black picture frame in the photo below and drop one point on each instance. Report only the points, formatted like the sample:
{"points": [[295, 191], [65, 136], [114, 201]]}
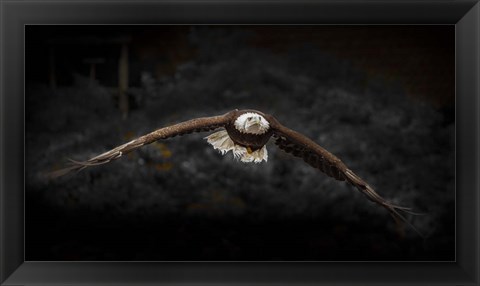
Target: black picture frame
{"points": [[15, 14]]}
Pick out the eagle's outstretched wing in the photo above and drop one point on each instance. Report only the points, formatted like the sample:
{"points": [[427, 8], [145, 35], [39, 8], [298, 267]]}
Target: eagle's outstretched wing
{"points": [[186, 127], [301, 146]]}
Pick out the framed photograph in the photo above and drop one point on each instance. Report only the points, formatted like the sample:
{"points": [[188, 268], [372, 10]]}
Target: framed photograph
{"points": [[353, 139]]}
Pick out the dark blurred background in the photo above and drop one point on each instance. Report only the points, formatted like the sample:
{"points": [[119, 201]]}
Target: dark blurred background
{"points": [[379, 97]]}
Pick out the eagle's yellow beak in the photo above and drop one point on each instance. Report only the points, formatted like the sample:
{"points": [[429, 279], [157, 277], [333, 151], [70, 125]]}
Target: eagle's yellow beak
{"points": [[249, 150]]}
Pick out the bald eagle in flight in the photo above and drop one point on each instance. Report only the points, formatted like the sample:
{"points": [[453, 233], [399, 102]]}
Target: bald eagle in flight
{"points": [[245, 133]]}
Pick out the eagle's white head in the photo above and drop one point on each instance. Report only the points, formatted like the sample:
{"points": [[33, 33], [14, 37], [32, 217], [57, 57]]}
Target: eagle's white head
{"points": [[252, 123]]}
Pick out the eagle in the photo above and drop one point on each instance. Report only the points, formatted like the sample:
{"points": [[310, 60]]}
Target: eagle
{"points": [[245, 133]]}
